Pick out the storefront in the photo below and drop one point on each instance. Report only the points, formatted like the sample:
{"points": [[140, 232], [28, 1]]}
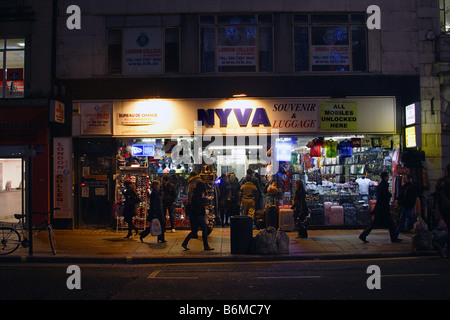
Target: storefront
{"points": [[24, 162], [338, 147]]}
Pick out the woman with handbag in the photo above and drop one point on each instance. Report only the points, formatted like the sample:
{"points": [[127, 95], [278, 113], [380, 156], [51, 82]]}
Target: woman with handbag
{"points": [[155, 212], [131, 202]]}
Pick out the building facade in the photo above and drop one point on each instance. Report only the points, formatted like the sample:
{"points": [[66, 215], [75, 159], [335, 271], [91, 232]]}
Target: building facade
{"points": [[138, 76], [27, 72]]}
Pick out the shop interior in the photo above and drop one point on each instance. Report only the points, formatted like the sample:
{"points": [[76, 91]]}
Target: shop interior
{"points": [[338, 171], [10, 188]]}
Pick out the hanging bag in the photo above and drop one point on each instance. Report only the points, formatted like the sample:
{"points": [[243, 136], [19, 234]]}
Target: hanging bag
{"points": [[155, 228]]}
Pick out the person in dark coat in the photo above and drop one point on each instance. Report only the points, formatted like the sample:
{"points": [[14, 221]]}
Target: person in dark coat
{"points": [[233, 195], [131, 203], [197, 216], [155, 212], [300, 209], [169, 195], [382, 212], [406, 200], [224, 191]]}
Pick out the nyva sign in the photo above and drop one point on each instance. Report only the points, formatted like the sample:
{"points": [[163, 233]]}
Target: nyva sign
{"points": [[258, 116]]}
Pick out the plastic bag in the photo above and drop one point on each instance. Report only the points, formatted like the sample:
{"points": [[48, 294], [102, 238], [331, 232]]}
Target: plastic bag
{"points": [[266, 241], [282, 242], [421, 239], [155, 228]]}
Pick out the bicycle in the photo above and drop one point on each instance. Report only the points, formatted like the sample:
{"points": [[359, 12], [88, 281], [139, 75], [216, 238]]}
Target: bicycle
{"points": [[10, 238]]}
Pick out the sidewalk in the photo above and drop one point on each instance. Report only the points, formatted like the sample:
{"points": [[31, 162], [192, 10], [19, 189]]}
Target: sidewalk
{"points": [[109, 246]]}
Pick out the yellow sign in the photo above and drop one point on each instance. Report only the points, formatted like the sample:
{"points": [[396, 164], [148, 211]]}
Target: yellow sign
{"points": [[412, 137], [339, 116]]}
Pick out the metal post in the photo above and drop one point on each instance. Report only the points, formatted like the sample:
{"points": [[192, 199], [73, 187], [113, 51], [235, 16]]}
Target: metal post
{"points": [[29, 203]]}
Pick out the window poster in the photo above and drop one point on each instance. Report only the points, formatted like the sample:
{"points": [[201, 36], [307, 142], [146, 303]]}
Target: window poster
{"points": [[142, 51], [96, 118], [236, 47]]}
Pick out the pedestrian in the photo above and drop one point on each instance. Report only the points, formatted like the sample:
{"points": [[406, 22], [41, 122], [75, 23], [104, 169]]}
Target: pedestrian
{"points": [[300, 209], [155, 212], [198, 216], [382, 212], [406, 199], [233, 195], [223, 191], [442, 199], [168, 195], [130, 206], [250, 177], [248, 197], [194, 177]]}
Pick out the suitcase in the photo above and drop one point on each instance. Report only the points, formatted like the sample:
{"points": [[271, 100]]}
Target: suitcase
{"points": [[327, 211], [349, 214], [317, 216], [271, 216], [286, 221], [362, 214], [337, 215]]}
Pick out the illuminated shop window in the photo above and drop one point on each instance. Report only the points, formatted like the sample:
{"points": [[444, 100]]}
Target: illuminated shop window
{"points": [[236, 43], [12, 62]]}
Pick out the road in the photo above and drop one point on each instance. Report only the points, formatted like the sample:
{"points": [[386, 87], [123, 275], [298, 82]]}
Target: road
{"points": [[398, 278]]}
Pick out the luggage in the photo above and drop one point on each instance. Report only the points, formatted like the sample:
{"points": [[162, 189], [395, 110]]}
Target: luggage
{"points": [[362, 214], [337, 215], [317, 216], [286, 220], [327, 210], [349, 214], [260, 219], [241, 234], [271, 213]]}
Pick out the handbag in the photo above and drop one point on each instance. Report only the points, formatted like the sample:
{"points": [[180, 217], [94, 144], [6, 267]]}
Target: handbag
{"points": [[155, 228]]}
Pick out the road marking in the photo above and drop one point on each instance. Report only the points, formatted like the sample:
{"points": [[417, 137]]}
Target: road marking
{"points": [[153, 274], [292, 277], [156, 272], [412, 275]]}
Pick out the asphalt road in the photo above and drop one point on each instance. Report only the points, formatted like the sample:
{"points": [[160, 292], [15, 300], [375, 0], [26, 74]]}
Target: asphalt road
{"points": [[421, 278]]}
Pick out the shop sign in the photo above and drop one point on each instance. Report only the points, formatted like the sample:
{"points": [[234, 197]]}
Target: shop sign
{"points": [[339, 116], [412, 114], [137, 119], [143, 150], [96, 118], [413, 136], [62, 177]]}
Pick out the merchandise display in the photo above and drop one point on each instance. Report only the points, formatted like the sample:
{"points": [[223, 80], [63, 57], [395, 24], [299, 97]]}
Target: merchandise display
{"points": [[340, 175]]}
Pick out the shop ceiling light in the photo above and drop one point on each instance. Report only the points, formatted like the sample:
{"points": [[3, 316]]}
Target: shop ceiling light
{"points": [[239, 95]]}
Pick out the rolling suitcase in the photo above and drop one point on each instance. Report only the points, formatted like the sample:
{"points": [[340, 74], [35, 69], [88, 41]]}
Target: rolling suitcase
{"points": [[286, 221], [327, 211], [337, 215], [349, 214]]}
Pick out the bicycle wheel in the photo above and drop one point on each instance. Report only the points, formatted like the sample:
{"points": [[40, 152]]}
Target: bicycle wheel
{"points": [[9, 240], [51, 237]]}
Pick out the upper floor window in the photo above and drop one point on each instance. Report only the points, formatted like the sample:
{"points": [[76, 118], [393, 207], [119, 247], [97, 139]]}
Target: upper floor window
{"points": [[236, 43], [330, 42], [141, 51], [444, 11], [12, 62]]}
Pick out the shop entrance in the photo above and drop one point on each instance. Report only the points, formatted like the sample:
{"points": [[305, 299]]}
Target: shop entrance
{"points": [[15, 166], [95, 186]]}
